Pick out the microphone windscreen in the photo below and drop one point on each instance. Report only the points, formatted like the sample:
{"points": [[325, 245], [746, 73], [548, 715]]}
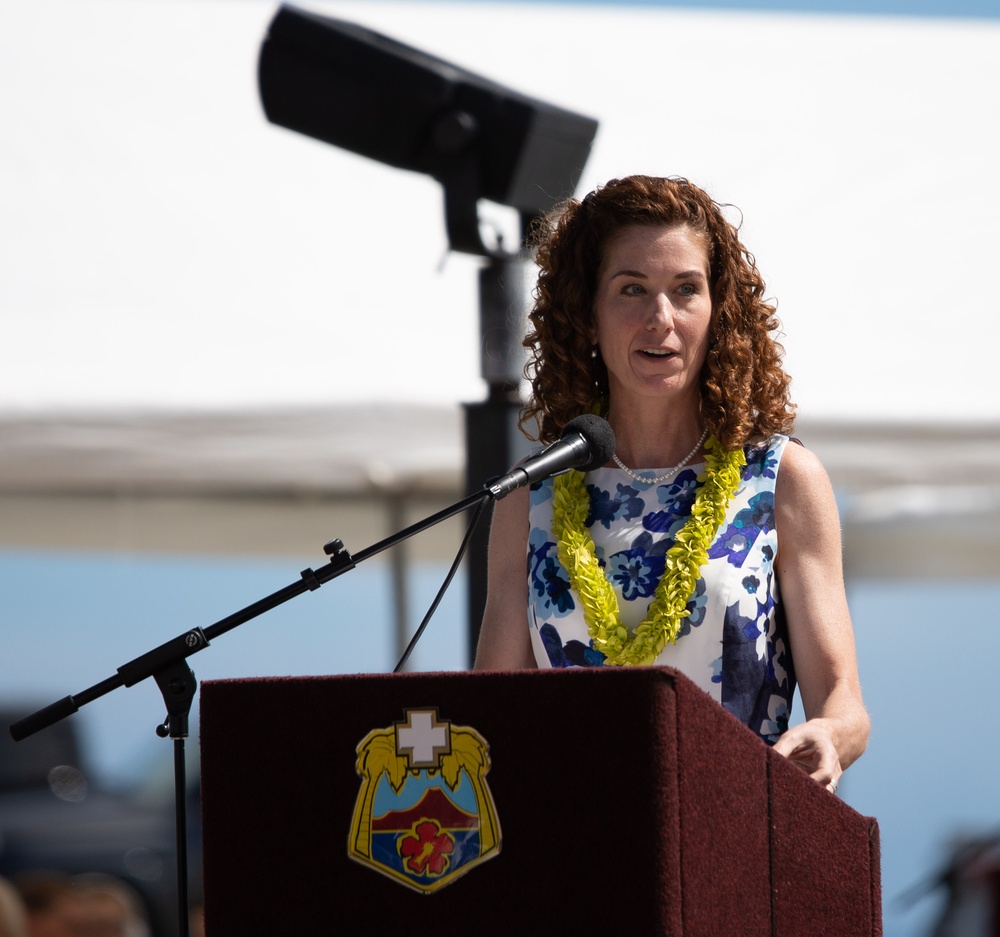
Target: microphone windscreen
{"points": [[599, 435]]}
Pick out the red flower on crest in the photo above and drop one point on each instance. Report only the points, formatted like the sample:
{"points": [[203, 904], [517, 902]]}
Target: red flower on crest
{"points": [[425, 849]]}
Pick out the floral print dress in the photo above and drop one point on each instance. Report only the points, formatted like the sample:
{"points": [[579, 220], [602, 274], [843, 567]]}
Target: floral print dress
{"points": [[734, 644]]}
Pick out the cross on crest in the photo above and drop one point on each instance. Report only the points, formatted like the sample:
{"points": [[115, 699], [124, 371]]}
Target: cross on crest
{"points": [[422, 740]]}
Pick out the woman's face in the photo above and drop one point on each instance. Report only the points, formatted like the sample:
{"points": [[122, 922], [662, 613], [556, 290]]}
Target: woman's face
{"points": [[652, 313]]}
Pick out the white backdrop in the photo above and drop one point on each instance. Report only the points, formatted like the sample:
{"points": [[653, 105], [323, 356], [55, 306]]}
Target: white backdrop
{"points": [[162, 245]]}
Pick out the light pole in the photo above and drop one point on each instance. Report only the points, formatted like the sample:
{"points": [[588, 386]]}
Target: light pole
{"points": [[362, 91]]}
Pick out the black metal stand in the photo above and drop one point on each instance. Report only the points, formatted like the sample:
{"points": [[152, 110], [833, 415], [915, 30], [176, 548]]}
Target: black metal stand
{"points": [[167, 664], [493, 442], [177, 685]]}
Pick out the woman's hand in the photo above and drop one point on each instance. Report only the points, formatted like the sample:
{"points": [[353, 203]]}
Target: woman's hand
{"points": [[810, 745]]}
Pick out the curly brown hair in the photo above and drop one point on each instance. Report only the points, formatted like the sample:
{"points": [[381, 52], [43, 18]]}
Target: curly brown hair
{"points": [[744, 389]]}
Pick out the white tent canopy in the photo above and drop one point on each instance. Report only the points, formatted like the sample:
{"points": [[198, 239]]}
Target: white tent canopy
{"points": [[275, 482]]}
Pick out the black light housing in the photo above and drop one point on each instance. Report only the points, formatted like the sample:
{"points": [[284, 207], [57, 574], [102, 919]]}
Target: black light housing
{"points": [[359, 90]]}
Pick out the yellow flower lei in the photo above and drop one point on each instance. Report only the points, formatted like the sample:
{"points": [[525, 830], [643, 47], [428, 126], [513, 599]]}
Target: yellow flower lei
{"points": [[578, 554]]}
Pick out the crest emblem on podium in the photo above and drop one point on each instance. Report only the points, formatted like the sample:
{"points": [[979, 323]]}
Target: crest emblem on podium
{"points": [[424, 815]]}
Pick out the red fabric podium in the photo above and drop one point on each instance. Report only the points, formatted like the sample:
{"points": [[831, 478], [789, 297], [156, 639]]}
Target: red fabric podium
{"points": [[626, 801]]}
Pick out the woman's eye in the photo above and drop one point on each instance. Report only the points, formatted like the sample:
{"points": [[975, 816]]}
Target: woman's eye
{"points": [[633, 289], [688, 289]]}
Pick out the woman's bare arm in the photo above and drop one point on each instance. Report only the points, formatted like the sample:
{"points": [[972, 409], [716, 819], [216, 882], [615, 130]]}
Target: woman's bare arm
{"points": [[504, 642], [811, 582]]}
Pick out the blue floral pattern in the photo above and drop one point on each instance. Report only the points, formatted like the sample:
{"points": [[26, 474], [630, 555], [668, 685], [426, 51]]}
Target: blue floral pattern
{"points": [[733, 643], [624, 504]]}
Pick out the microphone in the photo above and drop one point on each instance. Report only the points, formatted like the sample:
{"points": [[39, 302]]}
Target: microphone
{"points": [[587, 442]]}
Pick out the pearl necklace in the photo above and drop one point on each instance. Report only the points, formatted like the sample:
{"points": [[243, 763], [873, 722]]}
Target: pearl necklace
{"points": [[666, 476]]}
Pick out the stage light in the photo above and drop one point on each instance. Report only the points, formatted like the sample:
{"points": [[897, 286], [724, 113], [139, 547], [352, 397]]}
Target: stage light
{"points": [[359, 90]]}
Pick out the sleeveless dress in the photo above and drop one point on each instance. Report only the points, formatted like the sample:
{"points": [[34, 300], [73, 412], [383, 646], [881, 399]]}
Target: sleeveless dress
{"points": [[734, 644]]}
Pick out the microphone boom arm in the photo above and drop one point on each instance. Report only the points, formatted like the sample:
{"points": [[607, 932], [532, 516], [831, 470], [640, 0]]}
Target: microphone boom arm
{"points": [[197, 639]]}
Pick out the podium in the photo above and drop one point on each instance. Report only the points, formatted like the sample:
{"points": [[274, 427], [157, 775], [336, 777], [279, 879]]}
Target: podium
{"points": [[609, 801]]}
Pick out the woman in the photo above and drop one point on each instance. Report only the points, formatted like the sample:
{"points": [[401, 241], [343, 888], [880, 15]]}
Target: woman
{"points": [[650, 311]]}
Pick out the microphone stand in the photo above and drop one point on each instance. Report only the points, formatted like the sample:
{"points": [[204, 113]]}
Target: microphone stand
{"points": [[167, 665]]}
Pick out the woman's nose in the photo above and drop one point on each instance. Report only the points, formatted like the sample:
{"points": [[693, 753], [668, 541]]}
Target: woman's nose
{"points": [[661, 314]]}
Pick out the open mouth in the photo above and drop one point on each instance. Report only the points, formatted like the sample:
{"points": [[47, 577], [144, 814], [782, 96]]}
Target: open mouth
{"points": [[656, 352]]}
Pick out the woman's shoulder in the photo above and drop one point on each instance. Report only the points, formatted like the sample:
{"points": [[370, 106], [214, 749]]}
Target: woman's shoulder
{"points": [[799, 460], [790, 451], [803, 483], [786, 465]]}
